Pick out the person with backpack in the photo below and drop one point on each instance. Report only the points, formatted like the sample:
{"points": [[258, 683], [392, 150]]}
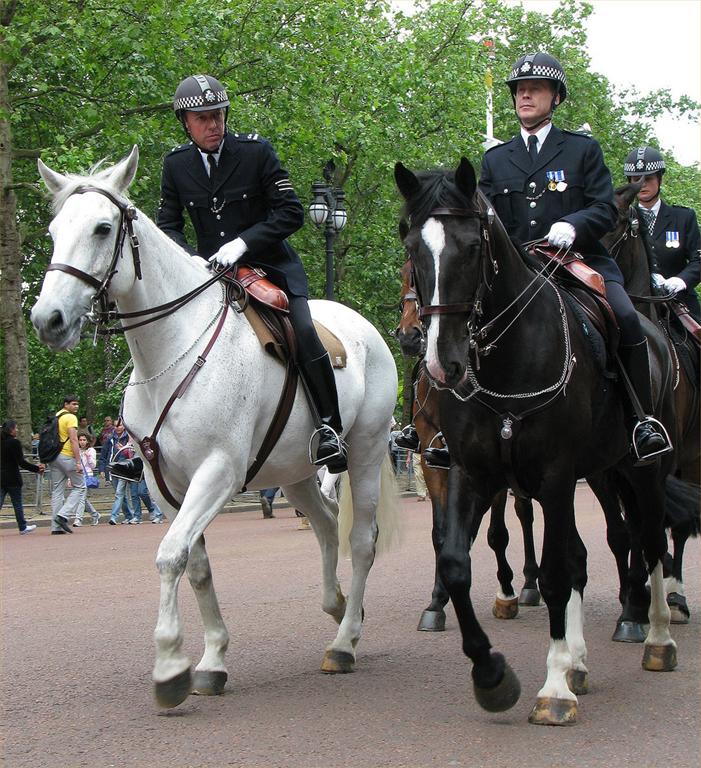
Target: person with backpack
{"points": [[58, 445]]}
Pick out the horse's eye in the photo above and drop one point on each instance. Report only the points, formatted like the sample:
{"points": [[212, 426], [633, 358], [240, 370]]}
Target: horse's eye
{"points": [[103, 229]]}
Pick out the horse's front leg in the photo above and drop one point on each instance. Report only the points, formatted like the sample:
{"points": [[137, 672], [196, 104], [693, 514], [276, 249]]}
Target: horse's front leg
{"points": [[496, 686], [210, 673], [433, 617], [556, 704], [204, 498]]}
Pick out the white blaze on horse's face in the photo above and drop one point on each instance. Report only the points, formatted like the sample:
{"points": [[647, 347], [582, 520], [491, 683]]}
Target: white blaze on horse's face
{"points": [[84, 233], [433, 236]]}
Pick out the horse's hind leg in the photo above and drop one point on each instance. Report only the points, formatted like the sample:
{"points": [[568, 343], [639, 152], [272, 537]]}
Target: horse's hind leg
{"points": [[530, 594], [506, 603], [365, 490], [322, 513], [210, 674]]}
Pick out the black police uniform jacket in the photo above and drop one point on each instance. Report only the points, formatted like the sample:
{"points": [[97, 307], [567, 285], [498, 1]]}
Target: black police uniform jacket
{"points": [[528, 202], [250, 196], [675, 244]]}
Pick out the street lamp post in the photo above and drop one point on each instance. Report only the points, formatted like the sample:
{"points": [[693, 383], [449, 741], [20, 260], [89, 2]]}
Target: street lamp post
{"points": [[328, 207]]}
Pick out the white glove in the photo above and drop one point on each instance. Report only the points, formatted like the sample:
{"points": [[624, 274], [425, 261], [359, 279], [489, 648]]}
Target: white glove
{"points": [[230, 253], [674, 285], [657, 280], [561, 234]]}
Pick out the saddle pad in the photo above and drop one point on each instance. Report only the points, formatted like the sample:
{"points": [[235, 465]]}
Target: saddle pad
{"points": [[332, 344]]}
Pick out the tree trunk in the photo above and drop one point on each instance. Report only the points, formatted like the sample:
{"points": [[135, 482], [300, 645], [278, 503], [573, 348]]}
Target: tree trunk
{"points": [[12, 328]]}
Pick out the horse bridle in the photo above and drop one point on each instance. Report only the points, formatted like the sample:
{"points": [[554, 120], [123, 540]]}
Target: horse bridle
{"points": [[472, 308], [127, 215], [101, 312]]}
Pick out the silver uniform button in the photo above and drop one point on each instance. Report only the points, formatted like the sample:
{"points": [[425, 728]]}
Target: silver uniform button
{"points": [[218, 216], [222, 234], [214, 199], [245, 195], [191, 203], [532, 185], [532, 203], [533, 222], [505, 190]]}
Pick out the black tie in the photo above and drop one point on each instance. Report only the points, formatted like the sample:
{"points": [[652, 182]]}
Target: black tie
{"points": [[212, 167], [649, 218], [533, 148]]}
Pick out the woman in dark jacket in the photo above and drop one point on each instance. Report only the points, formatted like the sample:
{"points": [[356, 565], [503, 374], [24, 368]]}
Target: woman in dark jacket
{"points": [[11, 460]]}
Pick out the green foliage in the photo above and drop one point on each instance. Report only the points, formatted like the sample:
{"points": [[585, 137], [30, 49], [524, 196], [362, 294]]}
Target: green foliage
{"points": [[352, 81]]}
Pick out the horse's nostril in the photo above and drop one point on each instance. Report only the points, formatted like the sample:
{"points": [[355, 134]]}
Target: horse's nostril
{"points": [[56, 320]]}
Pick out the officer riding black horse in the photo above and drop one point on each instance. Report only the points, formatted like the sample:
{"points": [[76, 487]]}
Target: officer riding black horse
{"points": [[242, 206], [547, 183]]}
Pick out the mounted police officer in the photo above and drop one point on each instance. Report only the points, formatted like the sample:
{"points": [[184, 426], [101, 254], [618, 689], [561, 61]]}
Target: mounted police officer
{"points": [[242, 206], [672, 230], [553, 184]]}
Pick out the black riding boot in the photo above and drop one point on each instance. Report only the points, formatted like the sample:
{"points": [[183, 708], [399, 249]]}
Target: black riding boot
{"points": [[437, 458], [649, 436], [320, 385], [408, 438]]}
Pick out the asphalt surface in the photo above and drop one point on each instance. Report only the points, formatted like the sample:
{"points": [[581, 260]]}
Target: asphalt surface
{"points": [[78, 614]]}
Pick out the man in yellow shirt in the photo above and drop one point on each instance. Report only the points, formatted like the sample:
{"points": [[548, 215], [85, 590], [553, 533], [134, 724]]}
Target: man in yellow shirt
{"points": [[66, 466]]}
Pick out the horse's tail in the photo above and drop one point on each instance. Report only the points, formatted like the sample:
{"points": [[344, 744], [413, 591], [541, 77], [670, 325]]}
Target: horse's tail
{"points": [[387, 515], [682, 504]]}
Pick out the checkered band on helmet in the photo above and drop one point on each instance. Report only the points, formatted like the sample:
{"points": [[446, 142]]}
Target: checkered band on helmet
{"points": [[643, 161], [538, 66], [199, 93]]}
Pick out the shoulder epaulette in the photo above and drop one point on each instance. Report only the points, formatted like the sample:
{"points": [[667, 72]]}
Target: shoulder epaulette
{"points": [[181, 148], [502, 144], [246, 136], [681, 207], [581, 134]]}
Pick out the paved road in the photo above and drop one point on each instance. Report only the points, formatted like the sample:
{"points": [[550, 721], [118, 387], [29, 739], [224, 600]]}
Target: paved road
{"points": [[78, 614]]}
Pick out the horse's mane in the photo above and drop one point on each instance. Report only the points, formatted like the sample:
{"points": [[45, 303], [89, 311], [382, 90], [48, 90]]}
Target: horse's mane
{"points": [[95, 178]]}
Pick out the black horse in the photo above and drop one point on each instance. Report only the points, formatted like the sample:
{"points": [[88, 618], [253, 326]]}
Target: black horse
{"points": [[524, 404], [627, 244]]}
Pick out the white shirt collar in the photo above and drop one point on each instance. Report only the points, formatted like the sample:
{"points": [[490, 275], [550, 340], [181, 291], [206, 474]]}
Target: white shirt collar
{"points": [[541, 135], [215, 155], [655, 208]]}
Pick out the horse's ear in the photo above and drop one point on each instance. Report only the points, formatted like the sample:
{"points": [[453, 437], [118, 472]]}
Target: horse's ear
{"points": [[626, 194], [465, 178], [54, 181], [407, 183], [122, 174]]}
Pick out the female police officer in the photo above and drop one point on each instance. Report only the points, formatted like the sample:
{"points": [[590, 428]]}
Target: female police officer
{"points": [[672, 230], [242, 207]]}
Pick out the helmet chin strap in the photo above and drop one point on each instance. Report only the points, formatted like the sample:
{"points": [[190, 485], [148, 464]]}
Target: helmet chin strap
{"points": [[547, 119]]}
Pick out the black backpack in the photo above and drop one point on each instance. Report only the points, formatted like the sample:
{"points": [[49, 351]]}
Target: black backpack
{"points": [[49, 444]]}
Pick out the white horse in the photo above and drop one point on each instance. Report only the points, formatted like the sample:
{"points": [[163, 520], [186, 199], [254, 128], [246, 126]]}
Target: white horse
{"points": [[211, 435]]}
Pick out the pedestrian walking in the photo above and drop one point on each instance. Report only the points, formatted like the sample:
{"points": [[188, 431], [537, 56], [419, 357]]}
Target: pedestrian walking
{"points": [[11, 461], [66, 470]]}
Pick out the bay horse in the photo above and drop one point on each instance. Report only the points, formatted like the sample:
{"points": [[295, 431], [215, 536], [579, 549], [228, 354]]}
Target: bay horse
{"points": [[523, 402], [411, 337], [627, 244], [213, 431]]}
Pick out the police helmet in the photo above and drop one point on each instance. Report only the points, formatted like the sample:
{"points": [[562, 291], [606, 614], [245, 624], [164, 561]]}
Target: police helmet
{"points": [[199, 93], [644, 161], [538, 66]]}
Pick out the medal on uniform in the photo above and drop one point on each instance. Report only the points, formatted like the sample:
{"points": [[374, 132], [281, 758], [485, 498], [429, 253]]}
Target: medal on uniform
{"points": [[672, 239], [556, 181]]}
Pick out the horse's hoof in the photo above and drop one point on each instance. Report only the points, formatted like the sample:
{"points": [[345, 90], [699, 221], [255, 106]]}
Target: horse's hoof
{"points": [[549, 711], [629, 632], [174, 691], [432, 621], [505, 609], [337, 663], [503, 696], [578, 681], [660, 658], [208, 683], [529, 596]]}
